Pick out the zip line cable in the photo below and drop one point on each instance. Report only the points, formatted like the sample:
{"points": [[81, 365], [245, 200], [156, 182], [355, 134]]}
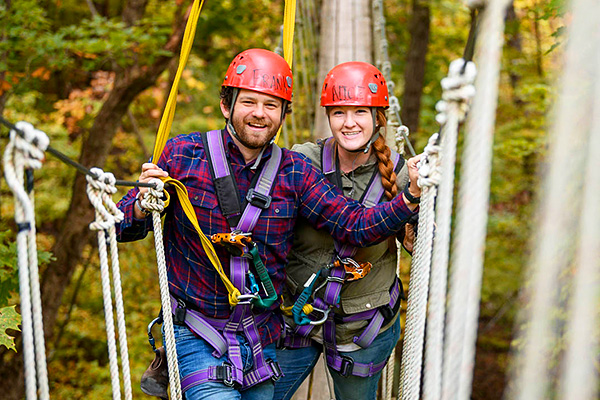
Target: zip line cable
{"points": [[65, 159]]}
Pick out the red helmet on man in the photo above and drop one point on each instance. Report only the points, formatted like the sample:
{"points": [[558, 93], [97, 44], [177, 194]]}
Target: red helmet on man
{"points": [[355, 83], [262, 71]]}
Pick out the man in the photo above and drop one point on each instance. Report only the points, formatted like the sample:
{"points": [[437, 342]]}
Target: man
{"points": [[239, 362]]}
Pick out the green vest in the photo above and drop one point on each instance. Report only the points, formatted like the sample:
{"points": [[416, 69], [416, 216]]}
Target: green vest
{"points": [[313, 249]]}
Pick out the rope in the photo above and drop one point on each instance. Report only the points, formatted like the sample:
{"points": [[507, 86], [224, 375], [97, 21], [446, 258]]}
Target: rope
{"points": [[383, 62], [152, 201], [458, 92], [26, 152], [568, 218], [107, 214], [412, 348], [472, 208]]}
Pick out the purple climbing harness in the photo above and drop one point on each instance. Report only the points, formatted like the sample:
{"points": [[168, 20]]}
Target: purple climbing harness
{"points": [[300, 337], [219, 333]]}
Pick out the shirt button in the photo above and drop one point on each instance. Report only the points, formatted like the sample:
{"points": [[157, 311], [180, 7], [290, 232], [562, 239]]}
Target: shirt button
{"points": [[277, 211], [368, 305], [195, 197]]}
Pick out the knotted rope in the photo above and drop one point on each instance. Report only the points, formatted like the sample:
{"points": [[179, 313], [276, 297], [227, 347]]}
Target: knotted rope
{"points": [[458, 90], [152, 201], [412, 349], [100, 190], [456, 98], [472, 211], [25, 154]]}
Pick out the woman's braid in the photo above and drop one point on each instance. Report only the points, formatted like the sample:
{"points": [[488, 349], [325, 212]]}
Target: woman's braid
{"points": [[385, 164]]}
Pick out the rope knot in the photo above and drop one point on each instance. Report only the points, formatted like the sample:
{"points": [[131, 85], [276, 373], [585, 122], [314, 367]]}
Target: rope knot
{"points": [[429, 168], [100, 189], [31, 144], [152, 199], [458, 89]]}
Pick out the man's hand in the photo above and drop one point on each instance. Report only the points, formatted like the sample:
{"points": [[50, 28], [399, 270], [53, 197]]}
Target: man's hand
{"points": [[149, 171]]}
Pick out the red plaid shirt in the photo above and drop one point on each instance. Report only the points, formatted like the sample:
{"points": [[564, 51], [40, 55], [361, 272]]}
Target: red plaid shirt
{"points": [[299, 190]]}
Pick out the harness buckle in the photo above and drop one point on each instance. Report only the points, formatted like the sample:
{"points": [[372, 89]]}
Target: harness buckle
{"points": [[347, 366], [277, 373], [223, 372], [258, 199], [180, 312]]}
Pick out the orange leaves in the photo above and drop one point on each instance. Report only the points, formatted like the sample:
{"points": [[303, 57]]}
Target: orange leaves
{"points": [[41, 73], [82, 103], [4, 86]]}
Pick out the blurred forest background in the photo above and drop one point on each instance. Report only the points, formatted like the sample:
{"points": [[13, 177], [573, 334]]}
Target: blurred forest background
{"points": [[95, 75]]}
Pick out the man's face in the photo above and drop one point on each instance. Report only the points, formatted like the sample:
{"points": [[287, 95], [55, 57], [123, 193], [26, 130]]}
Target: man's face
{"points": [[256, 117]]}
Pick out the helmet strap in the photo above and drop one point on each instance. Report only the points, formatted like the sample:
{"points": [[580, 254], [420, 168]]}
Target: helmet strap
{"points": [[230, 127]]}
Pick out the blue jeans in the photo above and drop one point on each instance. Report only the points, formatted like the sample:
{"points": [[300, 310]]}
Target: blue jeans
{"points": [[296, 365], [195, 354]]}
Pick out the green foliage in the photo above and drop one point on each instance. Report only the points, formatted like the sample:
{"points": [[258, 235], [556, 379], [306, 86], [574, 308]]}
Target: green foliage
{"points": [[9, 319], [62, 64], [9, 279]]}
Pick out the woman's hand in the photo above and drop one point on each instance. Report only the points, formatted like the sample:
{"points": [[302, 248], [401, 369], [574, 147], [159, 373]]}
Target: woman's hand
{"points": [[413, 175]]}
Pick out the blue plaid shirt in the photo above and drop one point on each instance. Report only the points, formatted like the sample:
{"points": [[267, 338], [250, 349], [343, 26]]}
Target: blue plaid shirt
{"points": [[299, 190]]}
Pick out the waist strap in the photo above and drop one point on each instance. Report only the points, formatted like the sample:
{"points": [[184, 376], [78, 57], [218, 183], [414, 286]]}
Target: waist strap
{"points": [[210, 329]]}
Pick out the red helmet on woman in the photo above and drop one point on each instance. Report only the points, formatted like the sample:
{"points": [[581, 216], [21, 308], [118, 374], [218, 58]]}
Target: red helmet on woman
{"points": [[355, 83], [262, 71]]}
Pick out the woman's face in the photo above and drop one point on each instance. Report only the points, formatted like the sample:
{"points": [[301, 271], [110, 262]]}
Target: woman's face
{"points": [[351, 126]]}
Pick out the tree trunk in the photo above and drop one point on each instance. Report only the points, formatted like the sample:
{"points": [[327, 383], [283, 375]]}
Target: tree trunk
{"points": [[414, 74], [345, 36], [74, 231], [515, 50]]}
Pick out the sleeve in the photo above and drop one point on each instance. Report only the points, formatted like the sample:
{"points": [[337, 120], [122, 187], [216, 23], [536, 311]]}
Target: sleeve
{"points": [[131, 228], [325, 207]]}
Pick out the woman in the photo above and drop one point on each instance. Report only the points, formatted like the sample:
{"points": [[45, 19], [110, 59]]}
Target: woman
{"points": [[354, 316]]}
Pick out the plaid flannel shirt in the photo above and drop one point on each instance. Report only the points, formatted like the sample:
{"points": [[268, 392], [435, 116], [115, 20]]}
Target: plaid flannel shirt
{"points": [[299, 190]]}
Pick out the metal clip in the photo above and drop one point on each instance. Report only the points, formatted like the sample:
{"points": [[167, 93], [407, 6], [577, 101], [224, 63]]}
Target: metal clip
{"points": [[322, 320], [246, 298]]}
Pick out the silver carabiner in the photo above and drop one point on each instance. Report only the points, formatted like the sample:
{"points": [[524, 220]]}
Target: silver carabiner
{"points": [[246, 298], [322, 320]]}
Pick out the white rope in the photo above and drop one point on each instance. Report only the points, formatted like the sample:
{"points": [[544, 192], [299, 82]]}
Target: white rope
{"points": [[412, 348], [458, 92], [152, 201], [96, 190], [27, 153], [469, 241], [568, 212], [580, 375], [109, 190]]}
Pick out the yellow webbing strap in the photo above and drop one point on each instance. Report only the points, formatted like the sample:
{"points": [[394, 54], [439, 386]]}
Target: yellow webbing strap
{"points": [[161, 139], [289, 22]]}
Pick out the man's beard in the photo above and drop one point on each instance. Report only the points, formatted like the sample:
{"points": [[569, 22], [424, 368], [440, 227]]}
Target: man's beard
{"points": [[250, 140]]}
